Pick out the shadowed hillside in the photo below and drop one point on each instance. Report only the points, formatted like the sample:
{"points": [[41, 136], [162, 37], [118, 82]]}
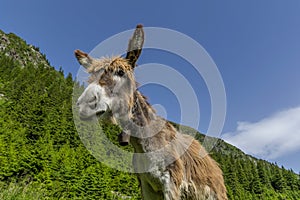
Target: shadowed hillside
{"points": [[42, 156]]}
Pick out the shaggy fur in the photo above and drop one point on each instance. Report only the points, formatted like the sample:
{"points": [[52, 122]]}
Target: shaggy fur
{"points": [[174, 165]]}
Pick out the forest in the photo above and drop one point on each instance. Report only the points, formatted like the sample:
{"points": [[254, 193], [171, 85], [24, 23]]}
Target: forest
{"points": [[43, 157]]}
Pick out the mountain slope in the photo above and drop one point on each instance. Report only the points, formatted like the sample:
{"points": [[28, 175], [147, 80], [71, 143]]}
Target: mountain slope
{"points": [[42, 156], [14, 47]]}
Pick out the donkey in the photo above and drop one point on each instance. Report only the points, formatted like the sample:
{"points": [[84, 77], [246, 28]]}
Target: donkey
{"points": [[169, 165]]}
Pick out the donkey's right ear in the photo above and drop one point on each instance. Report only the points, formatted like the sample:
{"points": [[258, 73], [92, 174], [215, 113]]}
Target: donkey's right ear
{"points": [[83, 58], [135, 45]]}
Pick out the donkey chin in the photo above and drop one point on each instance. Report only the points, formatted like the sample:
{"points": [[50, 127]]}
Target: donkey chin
{"points": [[106, 116]]}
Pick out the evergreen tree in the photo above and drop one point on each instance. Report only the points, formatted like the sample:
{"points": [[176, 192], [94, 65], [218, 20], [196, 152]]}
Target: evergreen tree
{"points": [[255, 185], [278, 181], [42, 156]]}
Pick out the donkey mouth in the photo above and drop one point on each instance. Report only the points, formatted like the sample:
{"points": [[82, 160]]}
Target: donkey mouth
{"points": [[91, 117], [86, 118], [100, 113]]}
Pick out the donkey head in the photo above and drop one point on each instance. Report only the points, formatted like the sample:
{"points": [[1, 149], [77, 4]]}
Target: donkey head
{"points": [[111, 84]]}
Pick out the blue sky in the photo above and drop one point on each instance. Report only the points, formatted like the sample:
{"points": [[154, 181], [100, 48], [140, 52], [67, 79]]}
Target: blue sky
{"points": [[254, 43]]}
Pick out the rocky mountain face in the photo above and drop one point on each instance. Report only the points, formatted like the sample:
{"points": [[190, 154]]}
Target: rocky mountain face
{"points": [[17, 49]]}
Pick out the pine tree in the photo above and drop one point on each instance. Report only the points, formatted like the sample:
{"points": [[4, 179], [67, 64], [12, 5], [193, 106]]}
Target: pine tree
{"points": [[255, 184], [42, 155], [278, 181], [262, 173]]}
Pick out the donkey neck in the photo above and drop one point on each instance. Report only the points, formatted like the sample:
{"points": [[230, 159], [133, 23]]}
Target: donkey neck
{"points": [[143, 125], [141, 113]]}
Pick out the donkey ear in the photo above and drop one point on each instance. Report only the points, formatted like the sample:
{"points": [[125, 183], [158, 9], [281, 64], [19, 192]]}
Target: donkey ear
{"points": [[83, 58], [135, 45]]}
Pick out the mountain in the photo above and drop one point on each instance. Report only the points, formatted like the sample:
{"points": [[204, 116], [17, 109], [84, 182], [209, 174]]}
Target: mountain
{"points": [[14, 47], [42, 156]]}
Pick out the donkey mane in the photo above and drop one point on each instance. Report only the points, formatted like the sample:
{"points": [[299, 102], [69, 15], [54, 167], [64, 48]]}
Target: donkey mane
{"points": [[192, 169]]}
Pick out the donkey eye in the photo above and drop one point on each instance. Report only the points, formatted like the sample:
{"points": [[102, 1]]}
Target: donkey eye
{"points": [[93, 99], [120, 73]]}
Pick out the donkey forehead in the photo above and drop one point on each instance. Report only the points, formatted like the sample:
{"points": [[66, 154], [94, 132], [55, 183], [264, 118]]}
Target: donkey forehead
{"points": [[110, 64]]}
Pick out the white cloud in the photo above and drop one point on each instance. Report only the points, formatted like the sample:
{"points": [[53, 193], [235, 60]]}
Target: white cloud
{"points": [[272, 137]]}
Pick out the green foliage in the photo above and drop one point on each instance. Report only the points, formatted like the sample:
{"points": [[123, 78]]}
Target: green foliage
{"points": [[42, 156], [250, 178], [21, 191]]}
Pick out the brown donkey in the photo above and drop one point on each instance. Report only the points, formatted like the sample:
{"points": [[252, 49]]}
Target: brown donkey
{"points": [[169, 165]]}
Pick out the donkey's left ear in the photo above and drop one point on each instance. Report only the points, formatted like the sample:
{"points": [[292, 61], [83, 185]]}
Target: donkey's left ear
{"points": [[135, 45]]}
